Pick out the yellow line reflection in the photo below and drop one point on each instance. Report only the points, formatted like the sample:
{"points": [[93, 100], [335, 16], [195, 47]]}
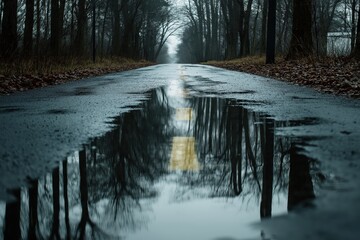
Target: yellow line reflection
{"points": [[184, 114], [183, 155], [182, 77], [176, 90]]}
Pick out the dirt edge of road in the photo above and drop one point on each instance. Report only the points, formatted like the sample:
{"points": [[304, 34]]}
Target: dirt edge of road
{"points": [[11, 83], [339, 76]]}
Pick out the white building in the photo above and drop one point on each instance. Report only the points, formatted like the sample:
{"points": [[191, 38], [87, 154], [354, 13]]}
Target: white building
{"points": [[338, 43]]}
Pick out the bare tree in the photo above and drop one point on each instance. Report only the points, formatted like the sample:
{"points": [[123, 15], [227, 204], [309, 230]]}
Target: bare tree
{"points": [[231, 10], [9, 29], [81, 25], [357, 45], [29, 26], [271, 31], [12, 217], [301, 44]]}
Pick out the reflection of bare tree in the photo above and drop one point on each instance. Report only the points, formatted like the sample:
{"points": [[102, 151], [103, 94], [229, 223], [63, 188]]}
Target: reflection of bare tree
{"points": [[237, 144], [33, 206], [85, 217], [268, 165], [66, 199], [96, 232], [235, 126], [55, 234], [12, 218], [237, 149], [124, 163], [300, 183]]}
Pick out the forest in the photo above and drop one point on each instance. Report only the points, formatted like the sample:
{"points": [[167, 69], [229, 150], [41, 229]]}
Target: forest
{"points": [[208, 29], [135, 29], [228, 29]]}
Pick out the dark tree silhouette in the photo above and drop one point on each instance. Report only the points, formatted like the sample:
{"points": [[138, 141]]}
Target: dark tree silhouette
{"points": [[264, 23], [33, 207], [66, 199], [271, 32], [55, 28], [12, 218], [55, 231], [235, 126], [300, 184], [29, 25], [301, 44], [268, 170], [84, 197], [81, 25], [9, 29], [357, 45]]}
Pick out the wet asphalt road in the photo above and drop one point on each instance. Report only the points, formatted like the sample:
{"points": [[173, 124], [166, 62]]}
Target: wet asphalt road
{"points": [[39, 128]]}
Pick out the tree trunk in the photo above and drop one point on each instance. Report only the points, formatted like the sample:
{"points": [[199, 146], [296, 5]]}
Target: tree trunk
{"points": [[357, 45], [301, 44], [200, 35], [214, 31], [208, 50], [81, 24], [271, 33], [72, 22], [268, 169], [33, 206], [230, 11], [55, 28], [353, 24], [66, 199], [29, 25], [84, 197], [1, 12], [116, 44], [102, 37], [235, 127], [38, 27], [300, 183], [46, 8], [282, 34], [12, 218], [9, 29], [264, 23], [55, 231], [246, 29]]}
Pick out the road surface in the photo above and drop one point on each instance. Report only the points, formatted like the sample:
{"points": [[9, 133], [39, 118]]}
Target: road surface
{"points": [[41, 127]]}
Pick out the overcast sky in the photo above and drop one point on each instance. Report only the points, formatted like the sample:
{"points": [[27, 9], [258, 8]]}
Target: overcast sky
{"points": [[173, 41]]}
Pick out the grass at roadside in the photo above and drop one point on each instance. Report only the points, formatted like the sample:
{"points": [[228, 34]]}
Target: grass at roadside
{"points": [[21, 75], [340, 76]]}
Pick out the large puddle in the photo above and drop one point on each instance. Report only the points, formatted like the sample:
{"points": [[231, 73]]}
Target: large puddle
{"points": [[178, 167]]}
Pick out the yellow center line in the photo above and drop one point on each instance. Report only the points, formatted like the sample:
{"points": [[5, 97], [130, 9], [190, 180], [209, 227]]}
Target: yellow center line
{"points": [[183, 154], [182, 77], [184, 114]]}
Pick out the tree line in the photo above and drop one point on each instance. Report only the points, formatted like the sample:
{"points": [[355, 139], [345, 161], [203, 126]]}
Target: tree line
{"points": [[227, 29], [126, 28], [213, 29]]}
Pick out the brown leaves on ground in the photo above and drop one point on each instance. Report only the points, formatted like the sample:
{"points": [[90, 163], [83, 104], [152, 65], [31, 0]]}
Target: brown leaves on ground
{"points": [[339, 76], [25, 76]]}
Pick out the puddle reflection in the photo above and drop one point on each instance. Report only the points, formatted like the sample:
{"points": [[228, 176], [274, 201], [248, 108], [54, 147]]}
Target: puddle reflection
{"points": [[178, 168]]}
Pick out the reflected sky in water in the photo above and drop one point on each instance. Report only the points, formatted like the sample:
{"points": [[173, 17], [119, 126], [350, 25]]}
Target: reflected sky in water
{"points": [[179, 167]]}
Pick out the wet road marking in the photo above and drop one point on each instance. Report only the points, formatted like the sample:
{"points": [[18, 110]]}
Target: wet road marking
{"points": [[176, 89], [183, 77], [184, 114], [183, 154]]}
